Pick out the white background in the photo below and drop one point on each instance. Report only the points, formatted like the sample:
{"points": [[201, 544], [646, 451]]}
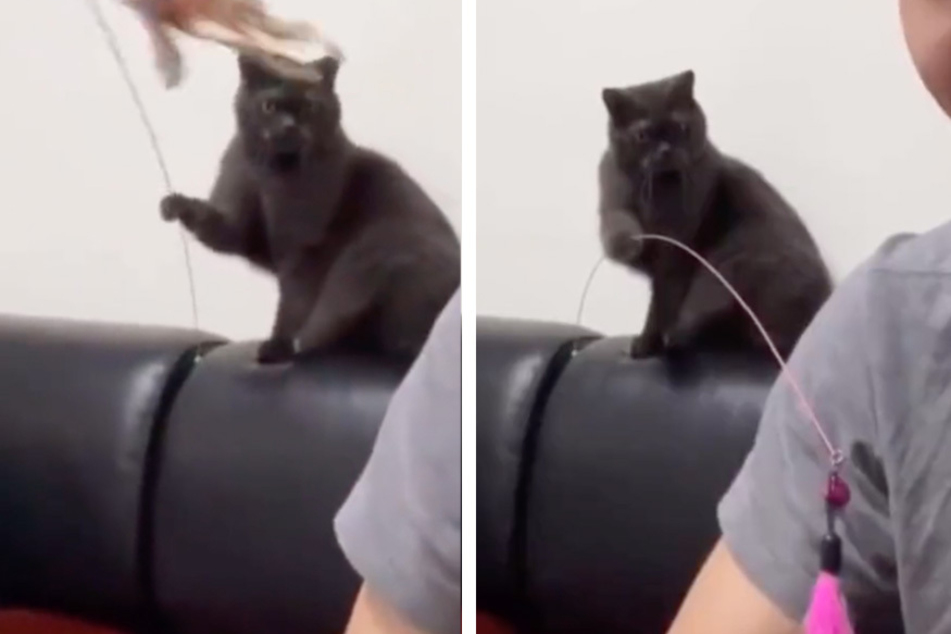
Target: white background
{"points": [[80, 235], [819, 95]]}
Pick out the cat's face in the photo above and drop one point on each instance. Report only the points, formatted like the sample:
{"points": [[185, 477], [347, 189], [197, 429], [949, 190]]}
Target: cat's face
{"points": [[656, 127], [286, 119]]}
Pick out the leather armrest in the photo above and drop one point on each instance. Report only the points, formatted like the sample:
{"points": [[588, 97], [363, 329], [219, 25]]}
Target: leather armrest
{"points": [[518, 363], [632, 459], [256, 462], [77, 412]]}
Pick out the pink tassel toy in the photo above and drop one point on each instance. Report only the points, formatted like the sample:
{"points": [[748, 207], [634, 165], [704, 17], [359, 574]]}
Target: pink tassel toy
{"points": [[827, 612]]}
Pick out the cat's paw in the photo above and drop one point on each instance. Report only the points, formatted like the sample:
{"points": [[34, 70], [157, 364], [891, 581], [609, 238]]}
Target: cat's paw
{"points": [[274, 351], [626, 248], [177, 207], [678, 340], [644, 346]]}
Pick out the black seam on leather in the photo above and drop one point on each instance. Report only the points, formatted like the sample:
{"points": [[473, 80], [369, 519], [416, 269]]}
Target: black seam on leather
{"points": [[174, 383], [518, 543]]}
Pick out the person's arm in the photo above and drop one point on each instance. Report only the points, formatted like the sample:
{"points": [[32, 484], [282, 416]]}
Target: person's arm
{"points": [[759, 578], [723, 599], [401, 526], [373, 614]]}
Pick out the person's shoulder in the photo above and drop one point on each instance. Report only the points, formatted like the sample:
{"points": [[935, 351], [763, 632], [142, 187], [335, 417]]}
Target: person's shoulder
{"points": [[445, 344], [882, 315], [898, 285], [450, 319], [899, 282], [914, 254]]}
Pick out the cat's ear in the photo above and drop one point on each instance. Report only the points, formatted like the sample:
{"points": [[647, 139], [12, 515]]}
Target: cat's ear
{"points": [[682, 85], [618, 104], [327, 67], [254, 72]]}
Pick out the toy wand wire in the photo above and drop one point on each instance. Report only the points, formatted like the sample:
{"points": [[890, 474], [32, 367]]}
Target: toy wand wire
{"points": [[835, 454], [113, 42]]}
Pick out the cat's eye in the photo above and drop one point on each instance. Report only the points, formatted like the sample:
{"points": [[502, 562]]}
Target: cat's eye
{"points": [[268, 106], [312, 103], [679, 127]]}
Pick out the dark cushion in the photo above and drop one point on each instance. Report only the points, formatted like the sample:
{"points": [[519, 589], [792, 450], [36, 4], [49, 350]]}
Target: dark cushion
{"points": [[631, 461], [518, 362], [77, 413], [256, 462]]}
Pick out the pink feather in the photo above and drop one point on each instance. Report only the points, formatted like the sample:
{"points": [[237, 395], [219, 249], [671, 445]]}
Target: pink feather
{"points": [[827, 613]]}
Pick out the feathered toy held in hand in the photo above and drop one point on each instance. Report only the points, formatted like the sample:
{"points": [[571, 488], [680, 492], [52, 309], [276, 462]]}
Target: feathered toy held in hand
{"points": [[242, 25]]}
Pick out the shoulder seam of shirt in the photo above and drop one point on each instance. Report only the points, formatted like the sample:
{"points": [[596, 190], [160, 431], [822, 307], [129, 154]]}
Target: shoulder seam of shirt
{"points": [[883, 268]]}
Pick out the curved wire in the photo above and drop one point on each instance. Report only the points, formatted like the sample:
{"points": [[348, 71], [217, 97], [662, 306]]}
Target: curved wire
{"points": [[587, 287], [113, 42], [835, 455]]}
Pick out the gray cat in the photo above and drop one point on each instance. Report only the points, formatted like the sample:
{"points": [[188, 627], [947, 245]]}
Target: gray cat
{"points": [[362, 256], [661, 174]]}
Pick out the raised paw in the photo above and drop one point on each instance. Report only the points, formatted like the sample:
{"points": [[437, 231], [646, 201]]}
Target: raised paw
{"points": [[178, 207], [644, 346], [627, 248], [274, 351]]}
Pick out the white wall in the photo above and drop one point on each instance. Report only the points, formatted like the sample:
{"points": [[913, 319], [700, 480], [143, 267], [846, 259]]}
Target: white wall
{"points": [[820, 95], [80, 234]]}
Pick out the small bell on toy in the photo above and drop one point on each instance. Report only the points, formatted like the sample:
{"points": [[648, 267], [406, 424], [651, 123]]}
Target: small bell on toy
{"points": [[827, 612]]}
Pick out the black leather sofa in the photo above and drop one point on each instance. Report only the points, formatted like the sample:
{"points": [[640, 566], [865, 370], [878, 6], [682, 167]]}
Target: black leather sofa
{"points": [[598, 476], [158, 480]]}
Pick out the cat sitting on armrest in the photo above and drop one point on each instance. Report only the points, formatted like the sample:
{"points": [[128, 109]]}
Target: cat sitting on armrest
{"points": [[662, 175], [362, 256]]}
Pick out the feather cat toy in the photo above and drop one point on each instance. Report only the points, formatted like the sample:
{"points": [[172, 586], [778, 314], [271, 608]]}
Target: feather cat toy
{"points": [[242, 25]]}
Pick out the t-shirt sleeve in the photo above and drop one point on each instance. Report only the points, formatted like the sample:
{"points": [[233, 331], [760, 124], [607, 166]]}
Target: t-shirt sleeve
{"points": [[773, 516], [400, 527]]}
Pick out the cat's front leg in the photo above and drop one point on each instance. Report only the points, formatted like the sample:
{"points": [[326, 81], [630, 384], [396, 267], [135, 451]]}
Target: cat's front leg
{"points": [[275, 350], [342, 303], [706, 303], [651, 340], [667, 295], [209, 225], [279, 347]]}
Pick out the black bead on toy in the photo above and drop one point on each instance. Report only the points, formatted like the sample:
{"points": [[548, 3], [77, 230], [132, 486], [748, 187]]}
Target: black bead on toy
{"points": [[831, 554]]}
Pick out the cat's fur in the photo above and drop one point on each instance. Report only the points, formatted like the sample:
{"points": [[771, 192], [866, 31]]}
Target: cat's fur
{"points": [[362, 255], [661, 174]]}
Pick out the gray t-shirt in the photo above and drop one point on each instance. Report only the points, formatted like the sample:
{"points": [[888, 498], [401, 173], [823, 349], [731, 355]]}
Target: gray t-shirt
{"points": [[400, 527], [876, 365]]}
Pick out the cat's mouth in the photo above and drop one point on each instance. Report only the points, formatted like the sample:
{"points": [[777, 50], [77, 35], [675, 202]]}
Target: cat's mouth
{"points": [[287, 161], [670, 175]]}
